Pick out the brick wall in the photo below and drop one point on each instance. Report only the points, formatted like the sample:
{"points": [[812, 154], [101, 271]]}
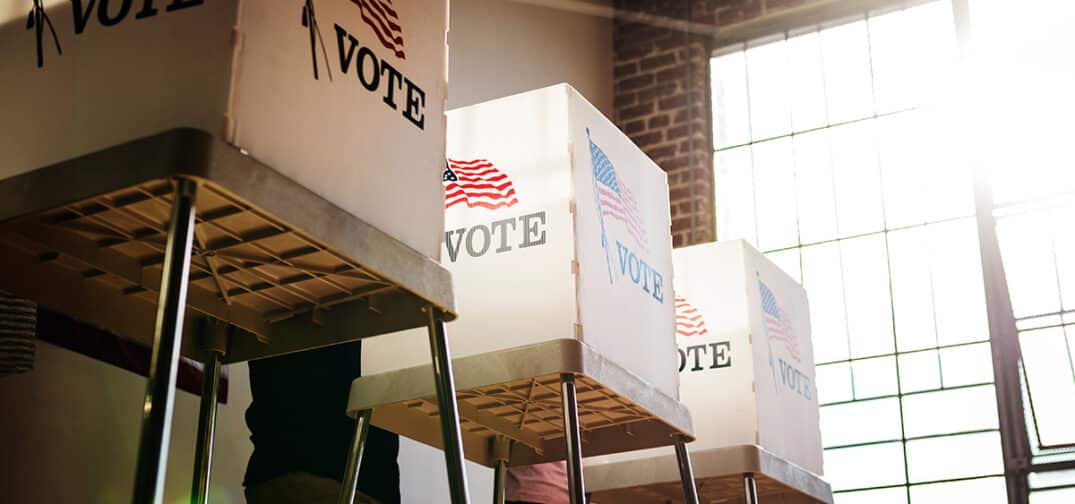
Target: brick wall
{"points": [[661, 97]]}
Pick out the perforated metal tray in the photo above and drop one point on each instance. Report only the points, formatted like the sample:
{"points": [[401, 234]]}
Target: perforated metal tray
{"points": [[86, 237], [718, 474], [515, 394]]}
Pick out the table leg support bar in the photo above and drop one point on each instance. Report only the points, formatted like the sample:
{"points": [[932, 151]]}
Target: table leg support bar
{"points": [[448, 409], [203, 455], [160, 387], [750, 488], [501, 447], [500, 478], [572, 435], [686, 474], [349, 490]]}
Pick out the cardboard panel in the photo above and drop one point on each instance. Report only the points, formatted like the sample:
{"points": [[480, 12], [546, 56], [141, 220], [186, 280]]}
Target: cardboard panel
{"points": [[368, 132], [624, 248], [124, 73], [713, 336], [786, 399]]}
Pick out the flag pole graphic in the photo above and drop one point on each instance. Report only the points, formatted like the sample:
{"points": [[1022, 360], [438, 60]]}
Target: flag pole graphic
{"points": [[309, 20], [37, 20], [768, 339], [597, 200]]}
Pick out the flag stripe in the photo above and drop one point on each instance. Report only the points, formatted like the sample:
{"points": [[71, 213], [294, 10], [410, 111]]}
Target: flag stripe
{"points": [[471, 162], [390, 30], [470, 185], [490, 206], [385, 36], [382, 16], [777, 326], [491, 178], [477, 183], [389, 10], [461, 192], [689, 322], [473, 170]]}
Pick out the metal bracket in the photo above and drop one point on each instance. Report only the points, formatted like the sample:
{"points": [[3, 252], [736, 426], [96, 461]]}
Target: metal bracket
{"points": [[214, 334]]}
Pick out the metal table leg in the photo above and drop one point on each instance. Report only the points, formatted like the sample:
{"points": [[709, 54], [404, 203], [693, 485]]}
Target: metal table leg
{"points": [[447, 408], [502, 454], [686, 474], [160, 388], [203, 454], [349, 490], [500, 478], [576, 487], [750, 488], [213, 336]]}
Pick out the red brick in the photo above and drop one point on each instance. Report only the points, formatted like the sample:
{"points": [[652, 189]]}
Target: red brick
{"points": [[674, 164], [673, 102], [677, 132], [636, 82], [659, 121], [625, 70], [661, 152], [657, 61], [635, 112], [649, 138], [681, 224], [634, 127], [677, 194], [658, 91], [676, 73]]}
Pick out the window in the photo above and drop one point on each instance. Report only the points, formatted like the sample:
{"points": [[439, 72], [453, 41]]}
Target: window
{"points": [[833, 156], [847, 153], [1021, 61]]}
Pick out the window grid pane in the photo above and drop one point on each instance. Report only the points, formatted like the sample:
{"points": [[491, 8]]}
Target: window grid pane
{"points": [[818, 175]]}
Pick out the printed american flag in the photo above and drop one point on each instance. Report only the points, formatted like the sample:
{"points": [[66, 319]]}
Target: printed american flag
{"points": [[777, 325], [384, 20], [615, 198], [689, 321], [477, 183]]}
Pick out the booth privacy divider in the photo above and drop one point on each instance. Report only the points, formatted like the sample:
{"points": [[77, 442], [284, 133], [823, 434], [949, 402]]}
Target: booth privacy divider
{"points": [[344, 100], [559, 227]]}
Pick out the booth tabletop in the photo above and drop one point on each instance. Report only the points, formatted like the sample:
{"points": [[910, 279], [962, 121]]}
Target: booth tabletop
{"points": [[86, 237], [718, 475], [515, 394]]}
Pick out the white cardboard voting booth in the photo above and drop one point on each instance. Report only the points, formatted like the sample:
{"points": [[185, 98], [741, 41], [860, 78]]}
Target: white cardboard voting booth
{"points": [[557, 226], [347, 98], [745, 355]]}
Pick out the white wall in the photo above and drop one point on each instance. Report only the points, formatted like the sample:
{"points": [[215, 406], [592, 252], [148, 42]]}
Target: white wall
{"points": [[500, 47], [69, 433], [69, 430]]}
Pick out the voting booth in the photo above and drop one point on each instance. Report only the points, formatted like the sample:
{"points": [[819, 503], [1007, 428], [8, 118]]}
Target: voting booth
{"points": [[746, 368], [556, 227], [557, 235], [345, 99], [228, 180]]}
